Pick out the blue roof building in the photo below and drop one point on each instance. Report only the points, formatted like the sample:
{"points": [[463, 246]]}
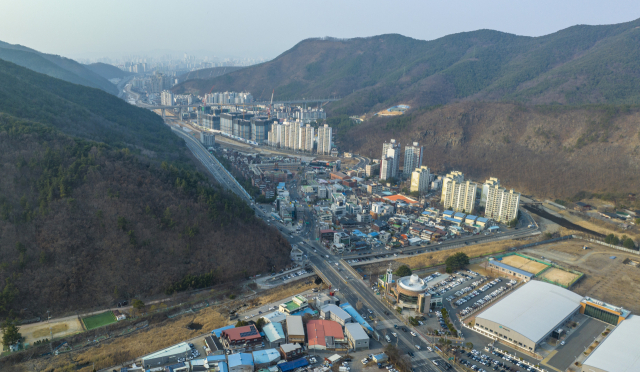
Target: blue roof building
{"points": [[241, 362], [290, 366], [223, 367], [219, 330], [265, 358], [274, 334]]}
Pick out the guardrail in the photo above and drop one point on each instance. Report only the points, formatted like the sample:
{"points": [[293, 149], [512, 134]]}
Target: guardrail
{"points": [[321, 275], [351, 269]]}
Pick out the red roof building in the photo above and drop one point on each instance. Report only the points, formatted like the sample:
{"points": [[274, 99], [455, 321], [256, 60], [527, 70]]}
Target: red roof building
{"points": [[323, 334], [241, 335]]}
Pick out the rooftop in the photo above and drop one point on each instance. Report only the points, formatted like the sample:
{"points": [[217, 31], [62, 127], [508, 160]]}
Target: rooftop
{"points": [[265, 356], [317, 330], [412, 283], [513, 269], [175, 349], [401, 198], [534, 309], [240, 359], [619, 352], [273, 331], [242, 333], [337, 311], [356, 331], [294, 325]]}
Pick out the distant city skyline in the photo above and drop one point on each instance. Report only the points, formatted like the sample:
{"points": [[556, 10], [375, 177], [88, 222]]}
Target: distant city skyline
{"points": [[262, 30]]}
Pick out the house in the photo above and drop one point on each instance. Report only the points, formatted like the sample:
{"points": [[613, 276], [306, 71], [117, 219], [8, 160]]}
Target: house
{"points": [[274, 334], [290, 352], [119, 315], [356, 336], [580, 206], [324, 334], [265, 358], [241, 362], [241, 336]]}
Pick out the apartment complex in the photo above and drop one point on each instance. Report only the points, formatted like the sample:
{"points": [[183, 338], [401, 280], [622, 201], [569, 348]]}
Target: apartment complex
{"points": [[228, 97], [502, 205], [485, 189], [457, 194], [294, 136], [166, 98], [412, 158], [324, 140], [390, 160], [420, 179]]}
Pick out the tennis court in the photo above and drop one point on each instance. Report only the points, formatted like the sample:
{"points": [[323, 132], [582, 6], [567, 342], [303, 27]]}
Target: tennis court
{"points": [[99, 320]]}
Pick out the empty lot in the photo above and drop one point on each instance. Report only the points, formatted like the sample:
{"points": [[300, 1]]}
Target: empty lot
{"points": [[40, 331], [605, 279], [561, 277], [524, 264]]}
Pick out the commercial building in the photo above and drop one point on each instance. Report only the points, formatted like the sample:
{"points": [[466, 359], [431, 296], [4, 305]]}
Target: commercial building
{"points": [[324, 334], [527, 316], [372, 169], [603, 311], [502, 205], [357, 338], [458, 194], [335, 313], [241, 362], [412, 158], [410, 292], [420, 179], [491, 182], [295, 329], [168, 355], [620, 351], [297, 303], [324, 140], [241, 336], [274, 334]]}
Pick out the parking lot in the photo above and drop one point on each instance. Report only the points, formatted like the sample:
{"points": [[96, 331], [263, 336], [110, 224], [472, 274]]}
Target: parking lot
{"points": [[577, 342], [488, 359]]}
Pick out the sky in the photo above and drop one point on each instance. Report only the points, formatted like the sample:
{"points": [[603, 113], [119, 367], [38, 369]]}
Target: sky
{"points": [[265, 28]]}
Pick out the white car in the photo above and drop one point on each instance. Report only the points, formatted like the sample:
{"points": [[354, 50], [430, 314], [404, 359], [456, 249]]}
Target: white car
{"points": [[417, 347], [413, 334]]}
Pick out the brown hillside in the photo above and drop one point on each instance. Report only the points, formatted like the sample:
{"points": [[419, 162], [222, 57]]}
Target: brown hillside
{"points": [[83, 225], [553, 152]]}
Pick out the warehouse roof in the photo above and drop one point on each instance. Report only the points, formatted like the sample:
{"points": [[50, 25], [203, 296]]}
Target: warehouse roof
{"points": [[318, 330], [513, 269], [337, 311], [240, 359], [619, 352], [273, 331], [294, 325], [356, 331], [534, 309], [180, 348], [266, 356]]}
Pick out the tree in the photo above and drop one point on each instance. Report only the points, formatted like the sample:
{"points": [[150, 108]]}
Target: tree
{"points": [[359, 305], [637, 221], [241, 323], [260, 323], [138, 305], [469, 345], [403, 270], [10, 332], [629, 244], [456, 261]]}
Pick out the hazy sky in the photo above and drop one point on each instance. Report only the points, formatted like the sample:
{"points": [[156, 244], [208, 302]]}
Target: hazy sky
{"points": [[266, 28]]}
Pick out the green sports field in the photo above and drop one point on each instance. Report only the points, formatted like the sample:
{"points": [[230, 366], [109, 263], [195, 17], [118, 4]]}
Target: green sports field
{"points": [[99, 320]]}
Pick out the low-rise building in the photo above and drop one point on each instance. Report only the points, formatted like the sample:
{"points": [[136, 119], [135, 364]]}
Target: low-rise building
{"points": [[295, 329], [335, 313], [297, 303], [241, 336], [265, 358], [290, 352], [324, 334], [356, 336], [324, 299], [241, 362], [274, 334]]}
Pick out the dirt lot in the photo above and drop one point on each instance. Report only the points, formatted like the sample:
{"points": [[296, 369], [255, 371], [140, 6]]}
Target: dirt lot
{"points": [[438, 257], [597, 225], [605, 279], [524, 264], [559, 276], [39, 331]]}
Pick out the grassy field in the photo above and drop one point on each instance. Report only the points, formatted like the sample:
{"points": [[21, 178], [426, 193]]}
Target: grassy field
{"points": [[99, 320], [559, 276], [438, 257]]}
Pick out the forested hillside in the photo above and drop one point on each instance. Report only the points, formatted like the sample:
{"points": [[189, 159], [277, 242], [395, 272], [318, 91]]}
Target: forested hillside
{"points": [[107, 71], [580, 64], [54, 66], [548, 151], [208, 73], [99, 202]]}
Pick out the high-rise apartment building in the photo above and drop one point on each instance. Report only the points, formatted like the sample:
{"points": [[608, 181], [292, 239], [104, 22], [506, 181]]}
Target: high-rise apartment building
{"points": [[491, 182], [420, 179], [412, 158], [502, 205], [324, 140], [166, 98], [307, 138], [457, 194], [390, 150]]}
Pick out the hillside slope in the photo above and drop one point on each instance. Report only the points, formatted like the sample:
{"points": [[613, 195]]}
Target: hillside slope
{"points": [[83, 225], [580, 64], [208, 73], [107, 71], [55, 66], [544, 150]]}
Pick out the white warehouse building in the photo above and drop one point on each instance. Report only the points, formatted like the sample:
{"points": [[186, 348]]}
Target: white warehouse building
{"points": [[527, 317]]}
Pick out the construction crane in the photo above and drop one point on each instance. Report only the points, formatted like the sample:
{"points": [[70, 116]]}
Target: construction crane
{"points": [[204, 99], [271, 104]]}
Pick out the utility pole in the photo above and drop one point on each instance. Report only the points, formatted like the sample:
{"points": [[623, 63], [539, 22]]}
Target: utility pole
{"points": [[50, 333]]}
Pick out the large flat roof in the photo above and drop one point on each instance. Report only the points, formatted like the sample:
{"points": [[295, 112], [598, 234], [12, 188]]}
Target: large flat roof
{"points": [[294, 325], [513, 269], [356, 331], [534, 309], [620, 352], [337, 311], [180, 348]]}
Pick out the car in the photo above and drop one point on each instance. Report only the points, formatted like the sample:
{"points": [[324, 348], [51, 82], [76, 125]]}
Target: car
{"points": [[395, 326], [327, 256], [429, 348], [394, 334], [336, 264], [413, 334], [561, 342], [411, 354], [417, 347]]}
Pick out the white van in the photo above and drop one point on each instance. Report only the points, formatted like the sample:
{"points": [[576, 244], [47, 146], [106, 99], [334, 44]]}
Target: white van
{"points": [[387, 338]]}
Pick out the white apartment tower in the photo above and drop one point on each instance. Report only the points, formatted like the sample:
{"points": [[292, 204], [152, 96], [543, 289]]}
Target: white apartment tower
{"points": [[412, 158], [420, 179], [390, 150], [502, 205], [166, 98], [491, 182], [457, 194], [324, 140]]}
